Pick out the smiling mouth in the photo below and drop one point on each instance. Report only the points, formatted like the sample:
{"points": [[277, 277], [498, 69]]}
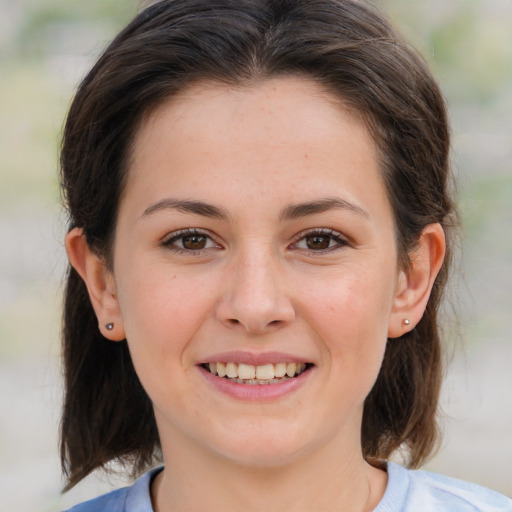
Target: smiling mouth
{"points": [[252, 375]]}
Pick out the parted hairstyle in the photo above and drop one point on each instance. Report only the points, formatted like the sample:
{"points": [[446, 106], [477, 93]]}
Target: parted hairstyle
{"points": [[348, 48]]}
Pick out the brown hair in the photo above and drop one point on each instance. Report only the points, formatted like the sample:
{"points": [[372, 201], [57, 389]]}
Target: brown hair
{"points": [[345, 46]]}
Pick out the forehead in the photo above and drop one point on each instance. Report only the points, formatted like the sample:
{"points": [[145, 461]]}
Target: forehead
{"points": [[273, 102], [279, 134], [280, 111]]}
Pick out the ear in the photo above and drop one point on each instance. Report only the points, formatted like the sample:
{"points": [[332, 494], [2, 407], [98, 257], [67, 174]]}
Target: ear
{"points": [[100, 284], [415, 282]]}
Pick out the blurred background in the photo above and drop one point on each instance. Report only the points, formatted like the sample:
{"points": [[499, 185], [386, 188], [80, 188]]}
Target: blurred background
{"points": [[46, 46]]}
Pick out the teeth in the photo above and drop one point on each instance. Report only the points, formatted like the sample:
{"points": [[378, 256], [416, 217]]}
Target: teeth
{"points": [[250, 374], [232, 370], [280, 369], [290, 369], [246, 371], [265, 372], [221, 370]]}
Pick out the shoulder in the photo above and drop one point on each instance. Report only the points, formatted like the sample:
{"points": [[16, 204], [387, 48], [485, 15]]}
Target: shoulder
{"points": [[458, 495], [115, 501], [135, 498], [410, 491]]}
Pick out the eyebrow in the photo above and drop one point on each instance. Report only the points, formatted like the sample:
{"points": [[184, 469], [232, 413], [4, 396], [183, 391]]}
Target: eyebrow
{"points": [[296, 211], [293, 211], [195, 207]]}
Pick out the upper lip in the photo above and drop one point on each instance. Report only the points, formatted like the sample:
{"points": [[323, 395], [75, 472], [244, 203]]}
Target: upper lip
{"points": [[256, 359]]}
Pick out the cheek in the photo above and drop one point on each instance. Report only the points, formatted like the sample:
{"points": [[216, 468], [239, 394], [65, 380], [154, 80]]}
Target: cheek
{"points": [[349, 315], [161, 311], [354, 302]]}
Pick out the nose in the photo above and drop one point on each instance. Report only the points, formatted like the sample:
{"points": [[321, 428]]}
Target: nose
{"points": [[254, 295]]}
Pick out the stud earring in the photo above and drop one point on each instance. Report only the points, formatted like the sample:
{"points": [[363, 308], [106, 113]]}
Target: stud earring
{"points": [[407, 322], [109, 326]]}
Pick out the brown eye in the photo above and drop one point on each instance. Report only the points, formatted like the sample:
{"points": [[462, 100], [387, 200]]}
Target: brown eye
{"points": [[194, 242], [189, 241], [321, 240], [318, 243]]}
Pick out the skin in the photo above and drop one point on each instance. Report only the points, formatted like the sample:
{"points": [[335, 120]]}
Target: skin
{"points": [[261, 283]]}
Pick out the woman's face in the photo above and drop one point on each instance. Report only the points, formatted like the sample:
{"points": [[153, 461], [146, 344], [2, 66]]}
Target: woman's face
{"points": [[255, 236]]}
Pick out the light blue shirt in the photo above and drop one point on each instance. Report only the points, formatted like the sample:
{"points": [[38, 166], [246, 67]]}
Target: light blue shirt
{"points": [[407, 491]]}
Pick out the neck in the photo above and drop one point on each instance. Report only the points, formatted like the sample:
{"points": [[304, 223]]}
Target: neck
{"points": [[327, 479]]}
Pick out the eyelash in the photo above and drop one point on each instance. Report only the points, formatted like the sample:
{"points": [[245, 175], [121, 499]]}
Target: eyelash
{"points": [[321, 233], [329, 234], [168, 243]]}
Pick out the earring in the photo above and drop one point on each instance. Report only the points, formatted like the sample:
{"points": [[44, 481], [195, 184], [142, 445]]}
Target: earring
{"points": [[109, 326], [407, 322]]}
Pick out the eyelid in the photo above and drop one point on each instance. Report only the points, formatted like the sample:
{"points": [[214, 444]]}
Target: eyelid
{"points": [[342, 240], [168, 240]]}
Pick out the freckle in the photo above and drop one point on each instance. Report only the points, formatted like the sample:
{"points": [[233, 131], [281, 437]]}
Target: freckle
{"points": [[306, 156]]}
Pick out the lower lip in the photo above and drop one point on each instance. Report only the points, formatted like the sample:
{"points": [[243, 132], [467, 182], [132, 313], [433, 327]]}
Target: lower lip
{"points": [[255, 392]]}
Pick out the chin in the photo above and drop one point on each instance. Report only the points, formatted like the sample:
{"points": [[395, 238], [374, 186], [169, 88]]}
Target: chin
{"points": [[263, 446], [260, 456]]}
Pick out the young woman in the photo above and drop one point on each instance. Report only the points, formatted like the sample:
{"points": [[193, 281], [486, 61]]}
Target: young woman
{"points": [[260, 230]]}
